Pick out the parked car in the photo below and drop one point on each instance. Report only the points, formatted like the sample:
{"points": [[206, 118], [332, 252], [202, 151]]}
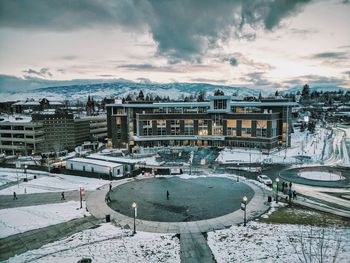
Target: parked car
{"points": [[265, 180]]}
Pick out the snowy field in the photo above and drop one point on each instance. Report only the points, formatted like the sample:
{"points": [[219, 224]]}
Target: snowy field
{"points": [[260, 242], [321, 176], [48, 183], [303, 144], [107, 243], [22, 219]]}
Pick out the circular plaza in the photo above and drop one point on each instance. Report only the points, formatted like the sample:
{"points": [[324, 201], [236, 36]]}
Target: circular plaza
{"points": [[195, 204], [174, 199], [322, 176]]}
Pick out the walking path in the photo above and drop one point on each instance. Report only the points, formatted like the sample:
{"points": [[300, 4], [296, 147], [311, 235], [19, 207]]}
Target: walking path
{"points": [[194, 249], [6, 201], [97, 206], [34, 239]]}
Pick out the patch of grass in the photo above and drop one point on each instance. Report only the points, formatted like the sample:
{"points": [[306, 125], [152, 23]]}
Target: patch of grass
{"points": [[295, 214]]}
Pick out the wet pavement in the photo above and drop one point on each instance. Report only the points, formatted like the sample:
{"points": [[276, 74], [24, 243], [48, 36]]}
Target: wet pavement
{"points": [[189, 199]]}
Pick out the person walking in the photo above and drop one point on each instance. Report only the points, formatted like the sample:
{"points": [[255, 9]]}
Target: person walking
{"points": [[290, 194], [14, 196], [62, 196], [294, 194], [110, 186], [167, 195], [290, 185], [282, 187]]}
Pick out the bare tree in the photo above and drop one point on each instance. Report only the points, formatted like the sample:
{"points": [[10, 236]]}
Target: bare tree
{"points": [[317, 245]]}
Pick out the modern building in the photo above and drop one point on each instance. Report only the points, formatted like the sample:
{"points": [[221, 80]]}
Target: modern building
{"points": [[59, 130], [20, 135], [95, 166], [218, 122], [97, 126]]}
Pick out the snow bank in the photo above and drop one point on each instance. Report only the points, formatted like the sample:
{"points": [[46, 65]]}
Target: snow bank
{"points": [[51, 183], [22, 219], [107, 243], [260, 242]]}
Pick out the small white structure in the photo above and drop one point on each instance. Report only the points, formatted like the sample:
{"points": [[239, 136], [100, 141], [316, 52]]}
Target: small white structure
{"points": [[95, 166]]}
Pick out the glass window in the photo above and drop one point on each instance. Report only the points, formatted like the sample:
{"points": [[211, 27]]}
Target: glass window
{"points": [[203, 127], [261, 128], [189, 128], [246, 128]]}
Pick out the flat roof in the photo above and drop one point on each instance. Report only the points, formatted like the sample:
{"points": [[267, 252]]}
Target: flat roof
{"points": [[113, 159], [206, 104], [96, 162], [15, 119]]}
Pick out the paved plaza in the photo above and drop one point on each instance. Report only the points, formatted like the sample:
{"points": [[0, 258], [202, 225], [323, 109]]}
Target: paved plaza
{"points": [[189, 199], [257, 205]]}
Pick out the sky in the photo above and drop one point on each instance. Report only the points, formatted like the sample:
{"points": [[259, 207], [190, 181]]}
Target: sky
{"points": [[268, 44]]}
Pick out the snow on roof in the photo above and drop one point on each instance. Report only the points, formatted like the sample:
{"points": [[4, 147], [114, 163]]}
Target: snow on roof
{"points": [[96, 162], [113, 159], [15, 119]]}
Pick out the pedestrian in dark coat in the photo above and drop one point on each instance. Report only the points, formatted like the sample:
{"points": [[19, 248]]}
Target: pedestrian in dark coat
{"points": [[14, 196], [62, 196], [110, 187], [290, 185], [167, 195], [282, 187], [290, 194], [294, 194]]}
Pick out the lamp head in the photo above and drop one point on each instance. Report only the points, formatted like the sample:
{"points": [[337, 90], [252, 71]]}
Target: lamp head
{"points": [[134, 205], [277, 180], [245, 199]]}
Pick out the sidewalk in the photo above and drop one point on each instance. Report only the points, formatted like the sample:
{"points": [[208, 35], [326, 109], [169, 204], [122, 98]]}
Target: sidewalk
{"points": [[6, 201], [194, 249]]}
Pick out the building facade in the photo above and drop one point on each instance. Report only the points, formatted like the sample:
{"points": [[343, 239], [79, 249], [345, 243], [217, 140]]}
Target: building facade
{"points": [[20, 135], [218, 122]]}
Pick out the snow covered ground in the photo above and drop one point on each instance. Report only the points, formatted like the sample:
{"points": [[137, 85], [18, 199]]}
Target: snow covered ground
{"points": [[21, 219], [260, 242], [303, 144], [321, 176], [107, 243], [48, 183]]}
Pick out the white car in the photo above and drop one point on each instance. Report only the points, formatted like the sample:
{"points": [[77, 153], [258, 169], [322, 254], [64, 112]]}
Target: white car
{"points": [[264, 179]]}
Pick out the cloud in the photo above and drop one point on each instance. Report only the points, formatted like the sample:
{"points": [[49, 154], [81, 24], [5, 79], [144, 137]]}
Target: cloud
{"points": [[317, 80], [326, 58], [43, 73], [69, 57], [240, 59], [175, 68], [233, 62], [205, 80], [331, 55], [257, 79], [347, 73], [182, 29]]}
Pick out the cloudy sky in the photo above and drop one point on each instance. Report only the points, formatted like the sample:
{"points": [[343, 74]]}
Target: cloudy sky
{"points": [[253, 43]]}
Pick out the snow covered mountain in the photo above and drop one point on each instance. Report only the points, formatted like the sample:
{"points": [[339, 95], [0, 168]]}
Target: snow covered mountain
{"points": [[123, 87]]}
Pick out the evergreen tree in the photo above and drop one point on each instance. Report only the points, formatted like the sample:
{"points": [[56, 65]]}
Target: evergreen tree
{"points": [[306, 91], [141, 96]]}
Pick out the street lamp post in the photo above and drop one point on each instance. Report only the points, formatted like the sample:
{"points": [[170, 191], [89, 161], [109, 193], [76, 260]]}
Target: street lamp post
{"points": [[244, 208], [25, 171], [134, 205], [277, 181], [81, 192]]}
